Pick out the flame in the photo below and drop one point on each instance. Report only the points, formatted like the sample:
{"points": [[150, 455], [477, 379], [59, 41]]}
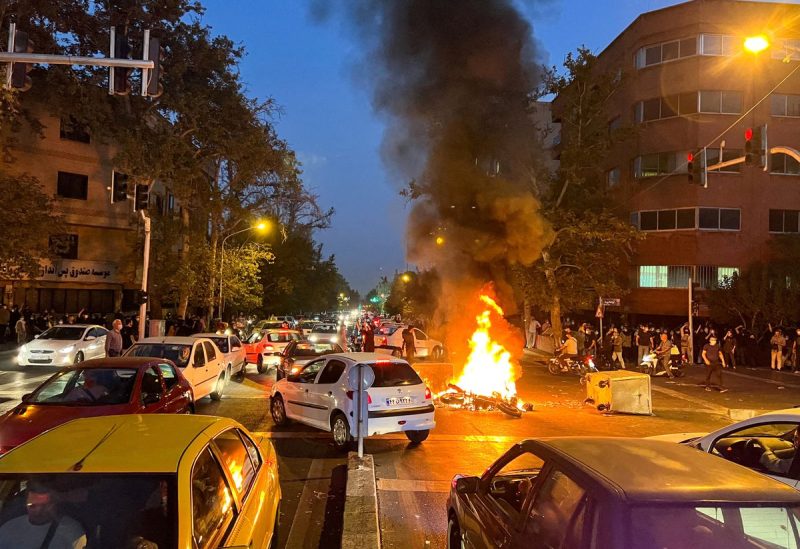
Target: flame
{"points": [[489, 368]]}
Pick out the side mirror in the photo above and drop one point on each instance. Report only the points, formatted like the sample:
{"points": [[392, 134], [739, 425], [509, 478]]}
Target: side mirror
{"points": [[467, 485], [26, 397], [89, 338], [151, 398]]}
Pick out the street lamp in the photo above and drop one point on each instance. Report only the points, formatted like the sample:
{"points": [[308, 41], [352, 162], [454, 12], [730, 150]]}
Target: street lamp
{"points": [[261, 226], [756, 44], [406, 277]]}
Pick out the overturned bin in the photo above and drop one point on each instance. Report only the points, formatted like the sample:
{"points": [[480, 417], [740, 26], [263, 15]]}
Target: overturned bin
{"points": [[619, 391]]}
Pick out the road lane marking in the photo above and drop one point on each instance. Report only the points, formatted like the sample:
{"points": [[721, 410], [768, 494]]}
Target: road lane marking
{"points": [[407, 485], [305, 513], [393, 436]]}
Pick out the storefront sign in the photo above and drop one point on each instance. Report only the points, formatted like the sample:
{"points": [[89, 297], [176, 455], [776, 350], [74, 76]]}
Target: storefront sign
{"points": [[77, 271]]}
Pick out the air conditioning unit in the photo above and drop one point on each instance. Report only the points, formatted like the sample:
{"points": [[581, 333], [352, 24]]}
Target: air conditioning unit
{"points": [[620, 391]]}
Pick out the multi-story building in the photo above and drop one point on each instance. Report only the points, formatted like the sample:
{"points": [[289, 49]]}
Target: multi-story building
{"points": [[99, 255], [689, 86]]}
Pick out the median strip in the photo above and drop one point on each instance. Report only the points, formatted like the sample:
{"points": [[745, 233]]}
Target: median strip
{"points": [[361, 528]]}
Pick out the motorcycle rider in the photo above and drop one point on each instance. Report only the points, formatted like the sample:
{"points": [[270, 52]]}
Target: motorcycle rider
{"points": [[568, 350], [663, 354]]}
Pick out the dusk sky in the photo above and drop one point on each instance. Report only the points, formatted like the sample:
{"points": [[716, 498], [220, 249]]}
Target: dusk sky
{"points": [[328, 119]]}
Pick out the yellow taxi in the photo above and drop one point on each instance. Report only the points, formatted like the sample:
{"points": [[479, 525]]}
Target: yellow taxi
{"points": [[141, 481]]}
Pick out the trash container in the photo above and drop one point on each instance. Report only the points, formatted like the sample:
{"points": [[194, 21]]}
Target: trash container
{"points": [[620, 391]]}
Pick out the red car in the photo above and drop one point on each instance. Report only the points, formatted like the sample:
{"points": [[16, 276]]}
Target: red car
{"points": [[99, 387], [263, 348]]}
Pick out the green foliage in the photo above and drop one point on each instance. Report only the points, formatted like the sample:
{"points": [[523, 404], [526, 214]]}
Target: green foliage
{"points": [[414, 296], [241, 276]]}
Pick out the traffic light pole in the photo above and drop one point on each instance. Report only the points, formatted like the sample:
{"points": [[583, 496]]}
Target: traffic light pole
{"points": [[691, 323], [145, 268]]}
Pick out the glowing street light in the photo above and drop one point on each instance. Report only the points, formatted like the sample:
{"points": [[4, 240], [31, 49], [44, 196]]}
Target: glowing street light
{"points": [[262, 227], [756, 44], [439, 240], [406, 277]]}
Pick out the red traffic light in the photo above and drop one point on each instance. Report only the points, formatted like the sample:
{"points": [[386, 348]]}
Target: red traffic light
{"points": [[748, 134], [689, 157]]}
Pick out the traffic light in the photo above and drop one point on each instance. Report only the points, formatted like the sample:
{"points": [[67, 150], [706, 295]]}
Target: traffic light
{"points": [[153, 86], [142, 197], [140, 297], [120, 77], [696, 168], [755, 146], [119, 187], [749, 154], [690, 166], [19, 71]]}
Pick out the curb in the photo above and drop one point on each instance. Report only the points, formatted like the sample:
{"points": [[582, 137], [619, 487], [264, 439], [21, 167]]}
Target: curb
{"points": [[360, 528]]}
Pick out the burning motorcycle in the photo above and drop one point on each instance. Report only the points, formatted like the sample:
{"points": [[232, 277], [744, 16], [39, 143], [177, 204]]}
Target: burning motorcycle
{"points": [[455, 396], [650, 365], [578, 366]]}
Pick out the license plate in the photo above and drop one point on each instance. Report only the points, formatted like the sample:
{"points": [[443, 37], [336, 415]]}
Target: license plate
{"points": [[40, 360], [398, 400]]}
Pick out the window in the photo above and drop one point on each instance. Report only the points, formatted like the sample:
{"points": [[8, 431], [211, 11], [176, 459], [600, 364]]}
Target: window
{"points": [[558, 512], [309, 373], [72, 130], [651, 165], [64, 245], [712, 157], [199, 355], [664, 220], [653, 276], [685, 218], [721, 102], [169, 375], [783, 221], [665, 52], [72, 185], [236, 459], [726, 219], [212, 502], [151, 384], [785, 105], [211, 354], [783, 164], [509, 486], [711, 276], [717, 44], [252, 450], [332, 372], [786, 50], [612, 177], [665, 107], [648, 221], [394, 374]]}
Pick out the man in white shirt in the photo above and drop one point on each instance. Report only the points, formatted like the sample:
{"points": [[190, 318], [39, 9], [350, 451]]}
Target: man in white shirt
{"points": [[44, 526]]}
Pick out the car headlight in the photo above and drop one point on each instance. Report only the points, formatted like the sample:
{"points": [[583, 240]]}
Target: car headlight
{"points": [[312, 338], [67, 350], [334, 339], [23, 349]]}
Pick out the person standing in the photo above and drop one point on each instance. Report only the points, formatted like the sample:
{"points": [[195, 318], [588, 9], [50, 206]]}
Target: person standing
{"points": [[367, 337], [5, 319], [729, 350], [21, 329], [714, 361], [627, 343], [409, 345], [533, 331], [129, 334], [616, 348], [795, 354], [778, 343], [114, 340], [642, 343], [581, 339]]}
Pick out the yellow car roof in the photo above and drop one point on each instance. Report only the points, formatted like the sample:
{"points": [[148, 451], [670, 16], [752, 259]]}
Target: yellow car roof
{"points": [[113, 444]]}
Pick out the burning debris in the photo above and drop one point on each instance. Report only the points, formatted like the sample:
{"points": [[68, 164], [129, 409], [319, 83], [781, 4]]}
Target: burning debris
{"points": [[488, 379]]}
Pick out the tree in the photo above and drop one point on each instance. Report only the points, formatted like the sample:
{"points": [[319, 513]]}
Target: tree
{"points": [[414, 296], [587, 254], [241, 276]]}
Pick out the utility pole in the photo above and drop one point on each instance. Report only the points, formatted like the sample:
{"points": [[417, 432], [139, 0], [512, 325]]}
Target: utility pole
{"points": [[145, 268], [691, 322]]}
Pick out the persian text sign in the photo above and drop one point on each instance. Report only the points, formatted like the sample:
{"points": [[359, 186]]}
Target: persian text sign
{"points": [[77, 271]]}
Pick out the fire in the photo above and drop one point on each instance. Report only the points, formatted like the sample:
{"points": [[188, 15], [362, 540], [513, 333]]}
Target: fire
{"points": [[489, 369]]}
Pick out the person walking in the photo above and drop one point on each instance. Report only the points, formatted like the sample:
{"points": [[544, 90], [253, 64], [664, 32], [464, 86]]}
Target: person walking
{"points": [[729, 350], [778, 343], [114, 340], [642, 343], [714, 361], [5, 318], [795, 354], [21, 329], [616, 348]]}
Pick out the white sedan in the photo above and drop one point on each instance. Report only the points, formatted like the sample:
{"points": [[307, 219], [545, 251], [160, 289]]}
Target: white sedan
{"points": [[318, 395], [232, 351], [746, 441], [63, 345]]}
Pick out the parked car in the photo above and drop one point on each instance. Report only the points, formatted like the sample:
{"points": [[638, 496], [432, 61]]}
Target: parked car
{"points": [[145, 481], [232, 350], [582, 492], [389, 337], [99, 387], [318, 395], [264, 348], [745, 441], [299, 353], [324, 333], [64, 344], [199, 359]]}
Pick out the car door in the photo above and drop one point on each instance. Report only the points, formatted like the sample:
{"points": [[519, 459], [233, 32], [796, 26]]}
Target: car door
{"points": [[151, 392], [211, 519], [202, 380], [214, 359], [237, 351], [297, 385], [421, 343], [321, 395], [496, 509], [94, 348], [175, 401]]}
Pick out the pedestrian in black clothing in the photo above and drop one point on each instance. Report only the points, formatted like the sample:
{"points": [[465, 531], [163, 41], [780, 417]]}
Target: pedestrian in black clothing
{"points": [[714, 361], [128, 334], [368, 338], [12, 320], [729, 350]]}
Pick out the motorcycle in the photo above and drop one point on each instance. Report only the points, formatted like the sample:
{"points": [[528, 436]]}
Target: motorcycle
{"points": [[578, 366], [650, 365]]}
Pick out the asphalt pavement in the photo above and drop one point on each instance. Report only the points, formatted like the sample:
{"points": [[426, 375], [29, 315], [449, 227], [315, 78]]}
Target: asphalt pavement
{"points": [[412, 481]]}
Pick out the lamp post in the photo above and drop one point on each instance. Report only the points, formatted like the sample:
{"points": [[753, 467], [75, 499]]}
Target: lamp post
{"points": [[261, 226]]}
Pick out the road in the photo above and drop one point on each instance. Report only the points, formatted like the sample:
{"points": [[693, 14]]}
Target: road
{"points": [[413, 481]]}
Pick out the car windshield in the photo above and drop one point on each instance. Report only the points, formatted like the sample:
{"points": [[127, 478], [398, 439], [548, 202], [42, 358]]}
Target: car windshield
{"points": [[281, 337], [63, 332], [255, 337], [742, 526], [314, 349], [394, 374], [324, 329], [87, 387], [143, 514], [388, 329], [177, 353], [222, 343]]}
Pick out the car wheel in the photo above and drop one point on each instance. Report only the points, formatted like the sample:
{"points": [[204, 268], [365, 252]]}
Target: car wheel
{"points": [[79, 357], [278, 410], [216, 394], [189, 408], [341, 432], [417, 437], [242, 371], [454, 534], [260, 364]]}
